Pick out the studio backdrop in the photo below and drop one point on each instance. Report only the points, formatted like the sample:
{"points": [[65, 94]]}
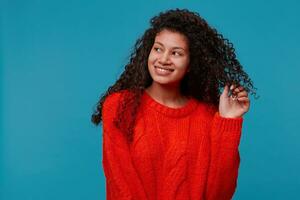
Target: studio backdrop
{"points": [[58, 57]]}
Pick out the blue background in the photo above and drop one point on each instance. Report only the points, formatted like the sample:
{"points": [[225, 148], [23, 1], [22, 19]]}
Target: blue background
{"points": [[57, 57]]}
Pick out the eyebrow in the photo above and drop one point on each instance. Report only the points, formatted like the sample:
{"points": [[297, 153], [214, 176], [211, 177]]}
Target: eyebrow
{"points": [[173, 47]]}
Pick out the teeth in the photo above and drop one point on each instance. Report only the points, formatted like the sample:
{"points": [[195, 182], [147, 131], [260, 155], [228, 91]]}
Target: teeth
{"points": [[163, 69]]}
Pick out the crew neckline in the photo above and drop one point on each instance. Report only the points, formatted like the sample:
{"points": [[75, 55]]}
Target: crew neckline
{"points": [[184, 110]]}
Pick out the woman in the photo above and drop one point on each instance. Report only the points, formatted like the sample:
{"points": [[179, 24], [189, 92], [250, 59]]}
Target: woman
{"points": [[168, 130]]}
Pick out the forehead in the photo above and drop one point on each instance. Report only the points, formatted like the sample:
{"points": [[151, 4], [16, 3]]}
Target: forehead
{"points": [[172, 39]]}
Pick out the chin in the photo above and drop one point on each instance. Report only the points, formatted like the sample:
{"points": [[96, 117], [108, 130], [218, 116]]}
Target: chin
{"points": [[164, 82]]}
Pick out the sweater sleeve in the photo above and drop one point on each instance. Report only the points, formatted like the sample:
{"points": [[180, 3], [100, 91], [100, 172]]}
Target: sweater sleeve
{"points": [[122, 180], [224, 139]]}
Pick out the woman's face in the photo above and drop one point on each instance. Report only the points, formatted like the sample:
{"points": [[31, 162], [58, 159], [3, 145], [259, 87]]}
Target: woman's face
{"points": [[169, 59]]}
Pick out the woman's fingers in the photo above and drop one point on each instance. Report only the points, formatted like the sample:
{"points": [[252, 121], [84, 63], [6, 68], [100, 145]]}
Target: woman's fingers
{"points": [[235, 88], [238, 91], [243, 99], [242, 94]]}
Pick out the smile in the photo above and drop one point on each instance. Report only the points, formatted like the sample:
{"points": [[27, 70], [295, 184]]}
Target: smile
{"points": [[164, 69]]}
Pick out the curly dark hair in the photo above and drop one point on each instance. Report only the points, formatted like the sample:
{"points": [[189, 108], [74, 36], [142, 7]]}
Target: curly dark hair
{"points": [[213, 64]]}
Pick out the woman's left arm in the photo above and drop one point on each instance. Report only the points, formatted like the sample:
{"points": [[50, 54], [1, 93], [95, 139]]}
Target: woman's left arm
{"points": [[223, 140]]}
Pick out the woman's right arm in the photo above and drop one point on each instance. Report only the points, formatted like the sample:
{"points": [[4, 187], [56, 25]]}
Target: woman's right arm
{"points": [[122, 180]]}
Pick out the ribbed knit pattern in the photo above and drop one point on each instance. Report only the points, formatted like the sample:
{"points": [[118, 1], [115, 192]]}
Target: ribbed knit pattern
{"points": [[186, 153]]}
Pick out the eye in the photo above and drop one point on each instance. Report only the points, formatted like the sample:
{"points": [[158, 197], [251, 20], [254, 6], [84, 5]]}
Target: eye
{"points": [[157, 49], [177, 53]]}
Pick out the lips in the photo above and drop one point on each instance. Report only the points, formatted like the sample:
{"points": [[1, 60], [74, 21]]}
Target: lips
{"points": [[169, 69]]}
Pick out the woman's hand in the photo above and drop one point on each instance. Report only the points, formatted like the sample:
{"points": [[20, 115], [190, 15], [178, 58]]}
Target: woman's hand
{"points": [[236, 105]]}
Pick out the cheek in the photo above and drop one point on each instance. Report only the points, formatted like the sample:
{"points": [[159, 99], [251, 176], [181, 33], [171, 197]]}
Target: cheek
{"points": [[151, 58], [182, 64], [150, 62]]}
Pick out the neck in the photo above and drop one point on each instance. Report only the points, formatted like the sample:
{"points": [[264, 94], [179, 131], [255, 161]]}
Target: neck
{"points": [[168, 95]]}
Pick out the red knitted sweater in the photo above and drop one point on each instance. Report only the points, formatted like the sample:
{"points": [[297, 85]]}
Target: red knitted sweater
{"points": [[186, 153]]}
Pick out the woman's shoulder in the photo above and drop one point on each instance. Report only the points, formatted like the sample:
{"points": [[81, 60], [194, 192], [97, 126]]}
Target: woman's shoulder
{"points": [[111, 104], [114, 98]]}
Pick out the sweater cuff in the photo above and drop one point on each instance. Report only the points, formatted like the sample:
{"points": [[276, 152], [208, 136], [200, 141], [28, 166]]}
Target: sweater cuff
{"points": [[228, 124], [230, 130]]}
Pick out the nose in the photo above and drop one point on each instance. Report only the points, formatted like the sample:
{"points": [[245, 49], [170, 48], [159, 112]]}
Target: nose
{"points": [[164, 58]]}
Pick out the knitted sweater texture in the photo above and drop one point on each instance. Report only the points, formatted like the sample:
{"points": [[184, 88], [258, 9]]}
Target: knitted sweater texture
{"points": [[186, 153]]}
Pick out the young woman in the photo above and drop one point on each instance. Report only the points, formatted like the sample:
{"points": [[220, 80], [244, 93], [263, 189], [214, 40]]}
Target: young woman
{"points": [[169, 132]]}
